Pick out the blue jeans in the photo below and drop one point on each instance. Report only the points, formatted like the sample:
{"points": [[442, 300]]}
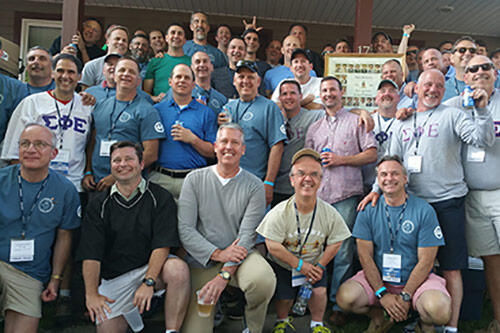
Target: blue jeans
{"points": [[343, 261]]}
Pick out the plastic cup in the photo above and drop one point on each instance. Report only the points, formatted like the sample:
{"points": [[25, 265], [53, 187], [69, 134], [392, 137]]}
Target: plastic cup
{"points": [[134, 320], [204, 309]]}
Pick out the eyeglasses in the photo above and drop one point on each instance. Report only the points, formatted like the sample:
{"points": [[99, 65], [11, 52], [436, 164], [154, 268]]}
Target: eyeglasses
{"points": [[462, 50], [474, 68], [39, 145], [302, 174]]}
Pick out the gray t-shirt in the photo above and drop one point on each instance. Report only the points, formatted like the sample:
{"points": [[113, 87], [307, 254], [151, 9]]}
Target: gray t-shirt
{"points": [[297, 128], [212, 214], [92, 72], [482, 175], [441, 133]]}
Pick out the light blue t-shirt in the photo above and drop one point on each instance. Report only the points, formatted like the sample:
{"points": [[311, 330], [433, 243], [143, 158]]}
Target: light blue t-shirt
{"points": [[216, 56], [102, 92], [12, 91], [58, 207], [136, 121], [34, 90], [419, 228], [263, 125]]}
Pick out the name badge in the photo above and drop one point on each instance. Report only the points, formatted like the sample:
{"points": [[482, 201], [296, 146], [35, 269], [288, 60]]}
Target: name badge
{"points": [[415, 163], [106, 147], [298, 278], [391, 267], [22, 250], [61, 162], [475, 154]]}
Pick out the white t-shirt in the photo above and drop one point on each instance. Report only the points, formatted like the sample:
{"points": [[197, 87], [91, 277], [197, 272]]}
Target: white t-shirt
{"points": [[310, 88], [41, 109]]}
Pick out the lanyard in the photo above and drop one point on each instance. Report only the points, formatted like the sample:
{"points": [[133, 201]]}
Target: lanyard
{"points": [[382, 135], [456, 86], [25, 218], [244, 111], [63, 123], [113, 123], [301, 246], [394, 234], [419, 135]]}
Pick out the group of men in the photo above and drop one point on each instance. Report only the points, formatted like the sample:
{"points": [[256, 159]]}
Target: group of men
{"points": [[183, 164]]}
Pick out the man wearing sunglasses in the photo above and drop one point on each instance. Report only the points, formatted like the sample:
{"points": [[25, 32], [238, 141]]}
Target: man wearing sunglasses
{"points": [[463, 50], [482, 223]]}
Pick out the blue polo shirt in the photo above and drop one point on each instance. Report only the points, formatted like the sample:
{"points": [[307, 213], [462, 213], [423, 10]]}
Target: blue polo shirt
{"points": [[263, 126], [58, 207], [136, 121], [419, 228], [216, 56], [195, 116], [12, 91], [215, 100], [102, 92]]}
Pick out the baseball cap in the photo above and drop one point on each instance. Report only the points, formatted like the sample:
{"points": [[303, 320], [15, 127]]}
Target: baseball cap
{"points": [[306, 152], [306, 54], [246, 64], [387, 81]]}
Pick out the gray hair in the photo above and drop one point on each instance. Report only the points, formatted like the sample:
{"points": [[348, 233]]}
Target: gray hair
{"points": [[394, 158], [38, 47], [53, 137], [232, 126]]}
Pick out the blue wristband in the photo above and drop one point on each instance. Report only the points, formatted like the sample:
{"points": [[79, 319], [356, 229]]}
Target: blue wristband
{"points": [[406, 35], [321, 266], [299, 267], [87, 173], [382, 289], [269, 183]]}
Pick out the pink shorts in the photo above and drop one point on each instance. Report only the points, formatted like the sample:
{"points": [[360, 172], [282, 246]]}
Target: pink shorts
{"points": [[433, 282]]}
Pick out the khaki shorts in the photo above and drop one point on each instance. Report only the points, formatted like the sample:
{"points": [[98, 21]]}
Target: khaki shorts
{"points": [[482, 222], [19, 292]]}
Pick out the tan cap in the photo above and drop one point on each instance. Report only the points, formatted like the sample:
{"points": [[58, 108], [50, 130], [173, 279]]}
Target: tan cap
{"points": [[306, 152]]}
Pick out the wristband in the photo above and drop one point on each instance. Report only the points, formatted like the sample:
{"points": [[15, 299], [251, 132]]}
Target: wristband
{"points": [[269, 183], [381, 290], [321, 266], [56, 277], [406, 35], [87, 173], [299, 267]]}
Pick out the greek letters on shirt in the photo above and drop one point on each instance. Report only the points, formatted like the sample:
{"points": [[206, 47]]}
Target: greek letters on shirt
{"points": [[431, 131], [74, 123], [497, 128]]}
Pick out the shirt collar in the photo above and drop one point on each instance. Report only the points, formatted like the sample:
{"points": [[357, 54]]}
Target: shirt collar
{"points": [[141, 188]]}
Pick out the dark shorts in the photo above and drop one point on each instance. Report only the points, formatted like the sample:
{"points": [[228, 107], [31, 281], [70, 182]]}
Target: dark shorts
{"points": [[451, 216], [284, 289]]}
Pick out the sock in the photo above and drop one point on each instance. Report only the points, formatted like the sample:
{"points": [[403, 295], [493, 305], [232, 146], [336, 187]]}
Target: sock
{"points": [[316, 323], [450, 329], [64, 292]]}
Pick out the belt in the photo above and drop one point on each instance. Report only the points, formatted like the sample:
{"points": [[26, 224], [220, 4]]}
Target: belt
{"points": [[173, 173]]}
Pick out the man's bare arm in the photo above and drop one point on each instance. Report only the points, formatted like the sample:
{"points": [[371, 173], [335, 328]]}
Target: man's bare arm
{"points": [[420, 272]]}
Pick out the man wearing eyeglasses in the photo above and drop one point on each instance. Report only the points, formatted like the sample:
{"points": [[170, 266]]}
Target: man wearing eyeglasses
{"points": [[482, 222], [303, 234], [430, 144], [463, 50], [39, 208]]}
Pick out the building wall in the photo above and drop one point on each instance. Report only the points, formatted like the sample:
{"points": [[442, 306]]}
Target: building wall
{"points": [[319, 34]]}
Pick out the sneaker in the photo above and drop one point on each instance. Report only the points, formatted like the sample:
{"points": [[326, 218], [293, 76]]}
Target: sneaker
{"points": [[282, 326], [219, 314], [320, 329]]}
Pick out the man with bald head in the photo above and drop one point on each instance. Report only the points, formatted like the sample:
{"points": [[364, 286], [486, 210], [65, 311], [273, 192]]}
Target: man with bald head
{"points": [[274, 76], [430, 143], [40, 207], [482, 220], [190, 132]]}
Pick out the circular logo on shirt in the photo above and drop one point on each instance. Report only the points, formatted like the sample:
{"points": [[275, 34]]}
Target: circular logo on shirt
{"points": [[438, 233], [46, 205], [248, 116], [1, 98], [407, 227], [283, 129], [215, 103], [159, 127], [79, 212], [125, 117]]}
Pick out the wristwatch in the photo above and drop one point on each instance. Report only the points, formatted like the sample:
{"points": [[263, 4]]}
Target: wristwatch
{"points": [[405, 296], [150, 282], [225, 275]]}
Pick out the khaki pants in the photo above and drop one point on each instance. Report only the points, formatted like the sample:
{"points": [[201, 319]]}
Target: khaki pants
{"points": [[254, 277], [171, 184]]}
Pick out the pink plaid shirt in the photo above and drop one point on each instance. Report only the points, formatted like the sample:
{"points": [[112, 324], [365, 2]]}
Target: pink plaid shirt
{"points": [[342, 134]]}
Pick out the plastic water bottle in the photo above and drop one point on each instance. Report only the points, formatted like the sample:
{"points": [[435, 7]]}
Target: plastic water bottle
{"points": [[300, 305], [467, 100]]}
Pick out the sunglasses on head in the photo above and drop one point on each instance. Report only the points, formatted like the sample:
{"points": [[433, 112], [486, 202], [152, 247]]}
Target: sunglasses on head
{"points": [[462, 50], [485, 67]]}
